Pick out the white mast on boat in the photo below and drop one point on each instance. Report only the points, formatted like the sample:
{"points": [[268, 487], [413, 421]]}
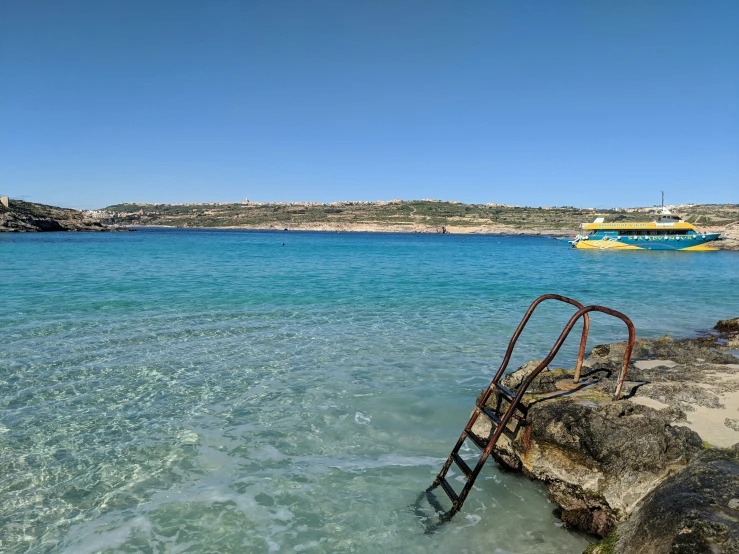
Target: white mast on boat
{"points": [[663, 210]]}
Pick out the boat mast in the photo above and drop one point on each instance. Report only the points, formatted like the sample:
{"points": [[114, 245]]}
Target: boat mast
{"points": [[663, 200]]}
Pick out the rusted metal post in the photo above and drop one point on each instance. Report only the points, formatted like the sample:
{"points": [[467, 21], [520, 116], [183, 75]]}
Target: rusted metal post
{"points": [[627, 355], [583, 342]]}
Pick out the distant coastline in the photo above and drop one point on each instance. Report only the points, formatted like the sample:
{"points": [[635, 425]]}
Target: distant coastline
{"points": [[397, 216], [369, 228]]}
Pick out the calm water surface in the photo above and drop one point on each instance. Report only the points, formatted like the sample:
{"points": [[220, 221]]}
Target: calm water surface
{"points": [[214, 391]]}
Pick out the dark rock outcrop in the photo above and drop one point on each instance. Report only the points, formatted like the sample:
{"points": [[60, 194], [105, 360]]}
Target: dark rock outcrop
{"points": [[598, 458], [27, 217], [729, 333], [728, 325], [695, 511]]}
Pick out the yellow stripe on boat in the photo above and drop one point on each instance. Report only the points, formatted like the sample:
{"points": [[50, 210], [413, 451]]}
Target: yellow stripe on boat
{"points": [[700, 248], [605, 245]]}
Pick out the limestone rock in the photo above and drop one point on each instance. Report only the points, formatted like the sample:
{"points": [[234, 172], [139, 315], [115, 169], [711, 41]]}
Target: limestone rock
{"points": [[611, 356], [693, 512], [730, 236], [513, 380], [597, 459], [547, 381], [604, 460], [27, 217]]}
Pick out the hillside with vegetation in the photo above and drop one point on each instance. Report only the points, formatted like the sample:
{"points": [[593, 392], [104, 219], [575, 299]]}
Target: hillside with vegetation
{"points": [[28, 217], [409, 216]]}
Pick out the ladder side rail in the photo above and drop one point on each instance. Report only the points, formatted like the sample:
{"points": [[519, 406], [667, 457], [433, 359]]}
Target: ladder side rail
{"points": [[566, 331], [525, 320], [500, 428], [445, 468], [488, 450]]}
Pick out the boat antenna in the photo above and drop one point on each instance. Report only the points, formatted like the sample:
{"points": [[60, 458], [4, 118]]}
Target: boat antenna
{"points": [[663, 199]]}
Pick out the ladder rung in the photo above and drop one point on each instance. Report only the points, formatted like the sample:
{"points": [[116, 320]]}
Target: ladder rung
{"points": [[478, 442], [491, 414], [506, 391], [462, 464], [449, 490]]}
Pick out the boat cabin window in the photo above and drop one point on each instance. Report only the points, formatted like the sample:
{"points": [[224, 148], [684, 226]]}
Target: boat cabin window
{"points": [[652, 232]]}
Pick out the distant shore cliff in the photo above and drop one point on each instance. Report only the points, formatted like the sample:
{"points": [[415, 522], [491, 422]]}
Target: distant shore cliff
{"points": [[398, 216], [26, 217]]}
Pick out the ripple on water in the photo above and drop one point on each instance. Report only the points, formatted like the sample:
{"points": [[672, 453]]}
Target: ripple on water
{"points": [[175, 391]]}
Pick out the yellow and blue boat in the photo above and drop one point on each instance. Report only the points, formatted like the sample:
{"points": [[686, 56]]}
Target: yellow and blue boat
{"points": [[667, 232]]}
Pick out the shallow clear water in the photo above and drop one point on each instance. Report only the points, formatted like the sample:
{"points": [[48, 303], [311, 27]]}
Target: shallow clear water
{"points": [[214, 391]]}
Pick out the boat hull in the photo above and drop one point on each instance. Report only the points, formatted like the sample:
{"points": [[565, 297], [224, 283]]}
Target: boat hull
{"points": [[698, 244]]}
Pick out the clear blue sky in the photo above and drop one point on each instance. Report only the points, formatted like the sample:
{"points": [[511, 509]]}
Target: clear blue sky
{"points": [[599, 103]]}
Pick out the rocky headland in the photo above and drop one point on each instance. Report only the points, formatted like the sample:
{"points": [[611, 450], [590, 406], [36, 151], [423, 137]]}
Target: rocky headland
{"points": [[730, 234], [655, 472], [26, 217]]}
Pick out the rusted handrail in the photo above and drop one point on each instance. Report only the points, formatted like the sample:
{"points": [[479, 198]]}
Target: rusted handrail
{"points": [[525, 320], [582, 312]]}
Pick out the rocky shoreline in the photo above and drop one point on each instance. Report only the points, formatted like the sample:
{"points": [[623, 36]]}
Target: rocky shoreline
{"points": [[730, 233], [27, 217], [657, 471], [385, 228]]}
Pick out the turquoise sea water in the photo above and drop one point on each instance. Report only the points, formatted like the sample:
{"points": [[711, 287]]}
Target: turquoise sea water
{"points": [[214, 391]]}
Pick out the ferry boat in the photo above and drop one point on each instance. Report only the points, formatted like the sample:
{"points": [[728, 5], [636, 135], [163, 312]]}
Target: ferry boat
{"points": [[667, 232]]}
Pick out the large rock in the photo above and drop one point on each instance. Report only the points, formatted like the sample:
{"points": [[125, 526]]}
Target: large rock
{"points": [[728, 325], [693, 512], [598, 458]]}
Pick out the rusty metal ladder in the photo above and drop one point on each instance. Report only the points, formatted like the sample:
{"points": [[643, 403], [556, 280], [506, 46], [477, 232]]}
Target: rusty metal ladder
{"points": [[499, 422]]}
